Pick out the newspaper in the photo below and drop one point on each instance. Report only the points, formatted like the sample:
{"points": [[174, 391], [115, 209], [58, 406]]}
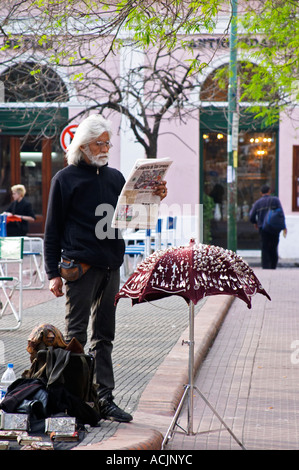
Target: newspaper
{"points": [[137, 206]]}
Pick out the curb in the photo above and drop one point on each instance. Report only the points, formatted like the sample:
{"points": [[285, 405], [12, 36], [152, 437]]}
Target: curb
{"points": [[162, 395]]}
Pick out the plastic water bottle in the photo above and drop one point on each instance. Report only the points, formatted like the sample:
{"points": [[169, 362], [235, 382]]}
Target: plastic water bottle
{"points": [[8, 378]]}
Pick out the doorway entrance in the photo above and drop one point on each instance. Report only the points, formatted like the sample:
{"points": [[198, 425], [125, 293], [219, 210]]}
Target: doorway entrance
{"points": [[257, 156], [256, 166]]}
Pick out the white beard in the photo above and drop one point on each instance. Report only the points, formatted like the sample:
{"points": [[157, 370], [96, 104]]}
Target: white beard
{"points": [[98, 160]]}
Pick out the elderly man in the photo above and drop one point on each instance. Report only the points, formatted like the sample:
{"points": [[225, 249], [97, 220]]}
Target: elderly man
{"points": [[70, 233]]}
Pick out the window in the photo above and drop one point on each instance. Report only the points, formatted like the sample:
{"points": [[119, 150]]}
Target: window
{"points": [[215, 87], [31, 82], [256, 166]]}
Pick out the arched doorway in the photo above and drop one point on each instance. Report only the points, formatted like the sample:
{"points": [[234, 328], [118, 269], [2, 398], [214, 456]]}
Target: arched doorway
{"points": [[257, 158], [30, 125]]}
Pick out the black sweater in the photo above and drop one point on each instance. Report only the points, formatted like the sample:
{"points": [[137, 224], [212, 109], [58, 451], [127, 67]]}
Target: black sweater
{"points": [[82, 200], [22, 207]]}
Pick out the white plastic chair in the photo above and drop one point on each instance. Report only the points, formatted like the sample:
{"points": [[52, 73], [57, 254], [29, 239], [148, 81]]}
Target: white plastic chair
{"points": [[34, 250], [169, 236], [11, 279], [138, 247]]}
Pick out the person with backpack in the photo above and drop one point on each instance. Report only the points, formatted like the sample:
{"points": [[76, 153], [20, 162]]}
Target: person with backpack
{"points": [[82, 248], [263, 209]]}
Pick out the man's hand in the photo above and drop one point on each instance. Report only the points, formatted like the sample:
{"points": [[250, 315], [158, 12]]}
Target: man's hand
{"points": [[55, 286], [161, 190]]}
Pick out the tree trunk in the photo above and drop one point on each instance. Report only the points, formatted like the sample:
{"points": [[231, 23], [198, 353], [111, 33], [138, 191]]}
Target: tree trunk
{"points": [[151, 151]]}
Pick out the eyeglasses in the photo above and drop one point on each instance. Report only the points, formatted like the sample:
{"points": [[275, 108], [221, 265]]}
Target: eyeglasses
{"points": [[104, 144]]}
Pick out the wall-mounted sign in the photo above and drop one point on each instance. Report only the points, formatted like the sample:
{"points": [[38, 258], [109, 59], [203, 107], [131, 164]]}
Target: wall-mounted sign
{"points": [[223, 42], [67, 135]]}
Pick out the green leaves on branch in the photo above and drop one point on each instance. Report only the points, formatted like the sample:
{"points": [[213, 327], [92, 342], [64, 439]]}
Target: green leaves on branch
{"points": [[168, 22], [276, 24], [146, 22]]}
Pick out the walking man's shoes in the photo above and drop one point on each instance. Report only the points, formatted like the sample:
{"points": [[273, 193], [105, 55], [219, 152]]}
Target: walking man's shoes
{"points": [[110, 411]]}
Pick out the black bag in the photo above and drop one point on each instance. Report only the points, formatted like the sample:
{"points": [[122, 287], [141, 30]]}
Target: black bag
{"points": [[72, 271], [61, 400], [274, 220], [19, 391], [69, 381], [73, 370], [24, 396]]}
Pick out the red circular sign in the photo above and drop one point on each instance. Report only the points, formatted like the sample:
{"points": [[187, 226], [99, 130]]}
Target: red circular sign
{"points": [[67, 135]]}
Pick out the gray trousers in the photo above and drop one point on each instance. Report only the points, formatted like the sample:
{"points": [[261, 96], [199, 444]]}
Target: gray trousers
{"points": [[92, 297]]}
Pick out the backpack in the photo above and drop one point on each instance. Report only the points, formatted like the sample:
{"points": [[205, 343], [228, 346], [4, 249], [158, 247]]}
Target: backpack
{"points": [[60, 379], [68, 378], [39, 401], [274, 220]]}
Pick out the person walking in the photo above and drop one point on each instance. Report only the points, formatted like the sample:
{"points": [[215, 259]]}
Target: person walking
{"points": [[269, 240], [80, 192]]}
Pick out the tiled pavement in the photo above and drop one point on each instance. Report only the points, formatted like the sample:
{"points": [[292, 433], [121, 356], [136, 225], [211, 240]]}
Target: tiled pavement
{"points": [[144, 336]]}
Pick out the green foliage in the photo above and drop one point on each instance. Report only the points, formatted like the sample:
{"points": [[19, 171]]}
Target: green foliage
{"points": [[151, 22], [276, 23], [147, 22], [167, 24]]}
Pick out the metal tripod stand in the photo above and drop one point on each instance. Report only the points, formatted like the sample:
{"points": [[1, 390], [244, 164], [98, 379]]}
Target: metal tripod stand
{"points": [[189, 393]]}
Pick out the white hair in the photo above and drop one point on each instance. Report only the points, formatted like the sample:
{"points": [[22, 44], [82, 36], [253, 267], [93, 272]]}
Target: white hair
{"points": [[88, 130]]}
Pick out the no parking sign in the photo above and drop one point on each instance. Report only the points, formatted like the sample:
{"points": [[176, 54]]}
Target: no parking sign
{"points": [[67, 135]]}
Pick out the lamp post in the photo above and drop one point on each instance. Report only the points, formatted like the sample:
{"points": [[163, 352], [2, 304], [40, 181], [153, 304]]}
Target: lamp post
{"points": [[232, 136]]}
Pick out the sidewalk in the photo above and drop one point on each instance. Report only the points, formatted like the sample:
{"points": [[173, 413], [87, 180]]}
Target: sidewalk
{"points": [[149, 381], [247, 375], [251, 374]]}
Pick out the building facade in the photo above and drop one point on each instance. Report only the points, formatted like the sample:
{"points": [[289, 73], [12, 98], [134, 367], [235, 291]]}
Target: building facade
{"points": [[35, 113]]}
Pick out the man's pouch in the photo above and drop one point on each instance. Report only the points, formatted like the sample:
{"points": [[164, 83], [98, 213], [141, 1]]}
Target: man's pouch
{"points": [[71, 271]]}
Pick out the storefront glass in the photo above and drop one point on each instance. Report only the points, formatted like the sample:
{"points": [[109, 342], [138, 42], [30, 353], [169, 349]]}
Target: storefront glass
{"points": [[5, 172], [30, 161], [256, 166], [31, 172]]}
